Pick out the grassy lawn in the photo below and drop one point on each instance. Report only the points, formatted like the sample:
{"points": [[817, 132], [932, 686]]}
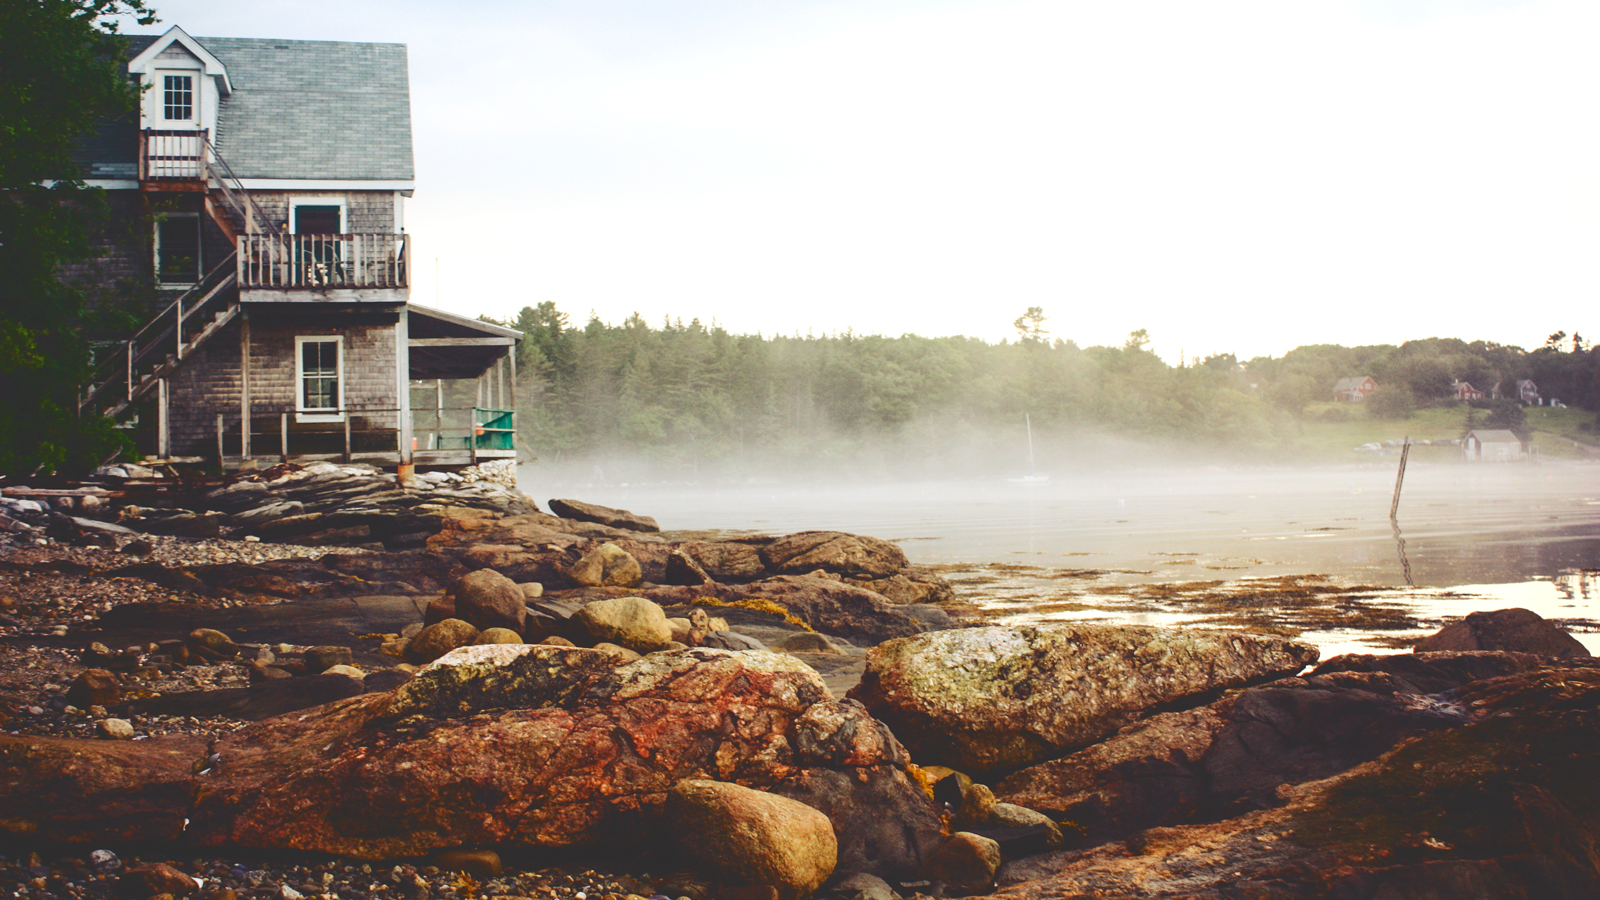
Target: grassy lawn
{"points": [[1331, 432]]}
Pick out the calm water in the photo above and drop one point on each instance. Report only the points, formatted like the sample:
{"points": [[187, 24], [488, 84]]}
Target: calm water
{"points": [[1496, 535]]}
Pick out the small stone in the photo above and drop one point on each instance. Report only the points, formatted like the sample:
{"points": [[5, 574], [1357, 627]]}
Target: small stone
{"points": [[286, 892], [498, 636], [622, 654], [485, 863], [438, 639], [252, 539], [138, 882], [211, 644], [321, 659], [347, 671], [98, 712], [104, 861], [139, 547], [633, 622], [115, 729], [556, 640], [807, 642], [95, 687], [966, 863], [607, 566]]}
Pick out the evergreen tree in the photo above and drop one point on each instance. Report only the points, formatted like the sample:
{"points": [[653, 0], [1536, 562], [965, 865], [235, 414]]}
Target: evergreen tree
{"points": [[60, 75]]}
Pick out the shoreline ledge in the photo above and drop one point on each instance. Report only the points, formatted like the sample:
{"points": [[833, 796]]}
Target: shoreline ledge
{"points": [[486, 682]]}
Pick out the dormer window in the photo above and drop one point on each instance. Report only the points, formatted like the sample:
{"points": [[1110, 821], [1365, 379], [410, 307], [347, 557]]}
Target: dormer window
{"points": [[177, 97], [184, 84]]}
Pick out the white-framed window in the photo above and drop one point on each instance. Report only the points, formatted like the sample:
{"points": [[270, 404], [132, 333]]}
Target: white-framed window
{"points": [[319, 378], [177, 250], [321, 215], [177, 97]]}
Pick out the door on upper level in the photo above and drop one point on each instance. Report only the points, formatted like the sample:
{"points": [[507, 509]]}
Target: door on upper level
{"points": [[321, 255]]}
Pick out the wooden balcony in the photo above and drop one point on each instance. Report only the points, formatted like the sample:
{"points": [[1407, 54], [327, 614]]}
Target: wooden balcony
{"points": [[341, 267], [171, 159]]}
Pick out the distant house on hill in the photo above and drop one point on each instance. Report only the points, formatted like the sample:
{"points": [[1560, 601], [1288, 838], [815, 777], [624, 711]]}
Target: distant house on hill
{"points": [[1526, 392], [1491, 445], [1354, 390], [1465, 391]]}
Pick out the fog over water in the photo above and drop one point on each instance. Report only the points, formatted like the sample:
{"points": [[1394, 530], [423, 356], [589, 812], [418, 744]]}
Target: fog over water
{"points": [[1496, 535]]}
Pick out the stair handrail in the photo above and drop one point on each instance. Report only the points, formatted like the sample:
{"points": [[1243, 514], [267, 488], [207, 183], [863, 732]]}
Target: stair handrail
{"points": [[136, 347], [232, 188]]}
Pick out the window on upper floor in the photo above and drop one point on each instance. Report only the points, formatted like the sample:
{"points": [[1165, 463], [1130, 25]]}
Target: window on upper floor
{"points": [[177, 97], [177, 249]]}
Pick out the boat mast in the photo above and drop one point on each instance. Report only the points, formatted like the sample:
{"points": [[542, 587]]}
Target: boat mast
{"points": [[1029, 420]]}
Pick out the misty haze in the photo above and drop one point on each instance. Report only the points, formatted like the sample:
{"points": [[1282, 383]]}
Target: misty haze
{"points": [[1057, 481]]}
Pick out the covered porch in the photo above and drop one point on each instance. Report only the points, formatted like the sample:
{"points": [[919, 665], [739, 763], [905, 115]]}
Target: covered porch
{"points": [[450, 401]]}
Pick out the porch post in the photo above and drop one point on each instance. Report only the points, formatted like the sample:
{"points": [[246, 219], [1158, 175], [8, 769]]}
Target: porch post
{"points": [[163, 421], [244, 384], [402, 375]]}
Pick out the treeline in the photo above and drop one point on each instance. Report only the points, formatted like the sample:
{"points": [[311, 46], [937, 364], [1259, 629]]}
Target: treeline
{"points": [[694, 399]]}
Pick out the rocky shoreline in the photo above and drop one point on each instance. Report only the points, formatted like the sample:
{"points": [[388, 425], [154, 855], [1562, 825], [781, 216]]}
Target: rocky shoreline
{"points": [[314, 681]]}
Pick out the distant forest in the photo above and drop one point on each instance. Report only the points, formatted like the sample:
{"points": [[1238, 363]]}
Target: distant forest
{"points": [[686, 398]]}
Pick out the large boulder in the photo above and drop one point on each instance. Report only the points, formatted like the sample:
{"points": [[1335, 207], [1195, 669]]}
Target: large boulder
{"points": [[583, 759], [1238, 753], [855, 772], [607, 566], [833, 551], [1500, 807], [487, 599], [524, 747], [603, 515], [632, 622], [1517, 630], [727, 562], [751, 837], [57, 789], [983, 699]]}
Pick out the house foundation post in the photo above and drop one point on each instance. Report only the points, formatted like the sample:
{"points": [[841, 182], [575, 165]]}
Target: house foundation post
{"points": [[402, 378], [163, 422], [244, 384]]}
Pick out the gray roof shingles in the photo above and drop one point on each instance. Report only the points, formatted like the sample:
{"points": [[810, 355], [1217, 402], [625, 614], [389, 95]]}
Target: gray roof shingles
{"points": [[322, 110]]}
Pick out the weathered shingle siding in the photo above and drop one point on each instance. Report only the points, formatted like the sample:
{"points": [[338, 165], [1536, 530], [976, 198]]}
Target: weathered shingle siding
{"points": [[209, 383], [365, 211]]}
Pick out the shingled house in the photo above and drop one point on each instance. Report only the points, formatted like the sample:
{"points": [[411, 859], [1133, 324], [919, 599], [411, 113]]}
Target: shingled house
{"points": [[263, 187]]}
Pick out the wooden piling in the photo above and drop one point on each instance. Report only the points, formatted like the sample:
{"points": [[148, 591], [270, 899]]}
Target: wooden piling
{"points": [[1400, 478]]}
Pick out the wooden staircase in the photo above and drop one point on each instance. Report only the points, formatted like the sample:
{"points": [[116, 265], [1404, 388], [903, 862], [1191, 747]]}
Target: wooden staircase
{"points": [[134, 368], [180, 161]]}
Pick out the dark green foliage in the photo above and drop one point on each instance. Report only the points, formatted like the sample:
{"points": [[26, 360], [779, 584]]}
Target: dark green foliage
{"points": [[1506, 414], [1392, 402], [686, 397], [59, 75]]}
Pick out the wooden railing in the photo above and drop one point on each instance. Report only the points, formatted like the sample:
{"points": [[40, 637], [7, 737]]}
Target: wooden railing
{"points": [[367, 432], [324, 261], [133, 364], [172, 155]]}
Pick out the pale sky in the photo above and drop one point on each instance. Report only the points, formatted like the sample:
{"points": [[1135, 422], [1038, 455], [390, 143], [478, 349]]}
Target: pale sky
{"points": [[1234, 176]]}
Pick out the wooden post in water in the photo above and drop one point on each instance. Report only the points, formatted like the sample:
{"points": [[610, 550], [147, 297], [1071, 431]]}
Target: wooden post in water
{"points": [[1400, 478]]}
